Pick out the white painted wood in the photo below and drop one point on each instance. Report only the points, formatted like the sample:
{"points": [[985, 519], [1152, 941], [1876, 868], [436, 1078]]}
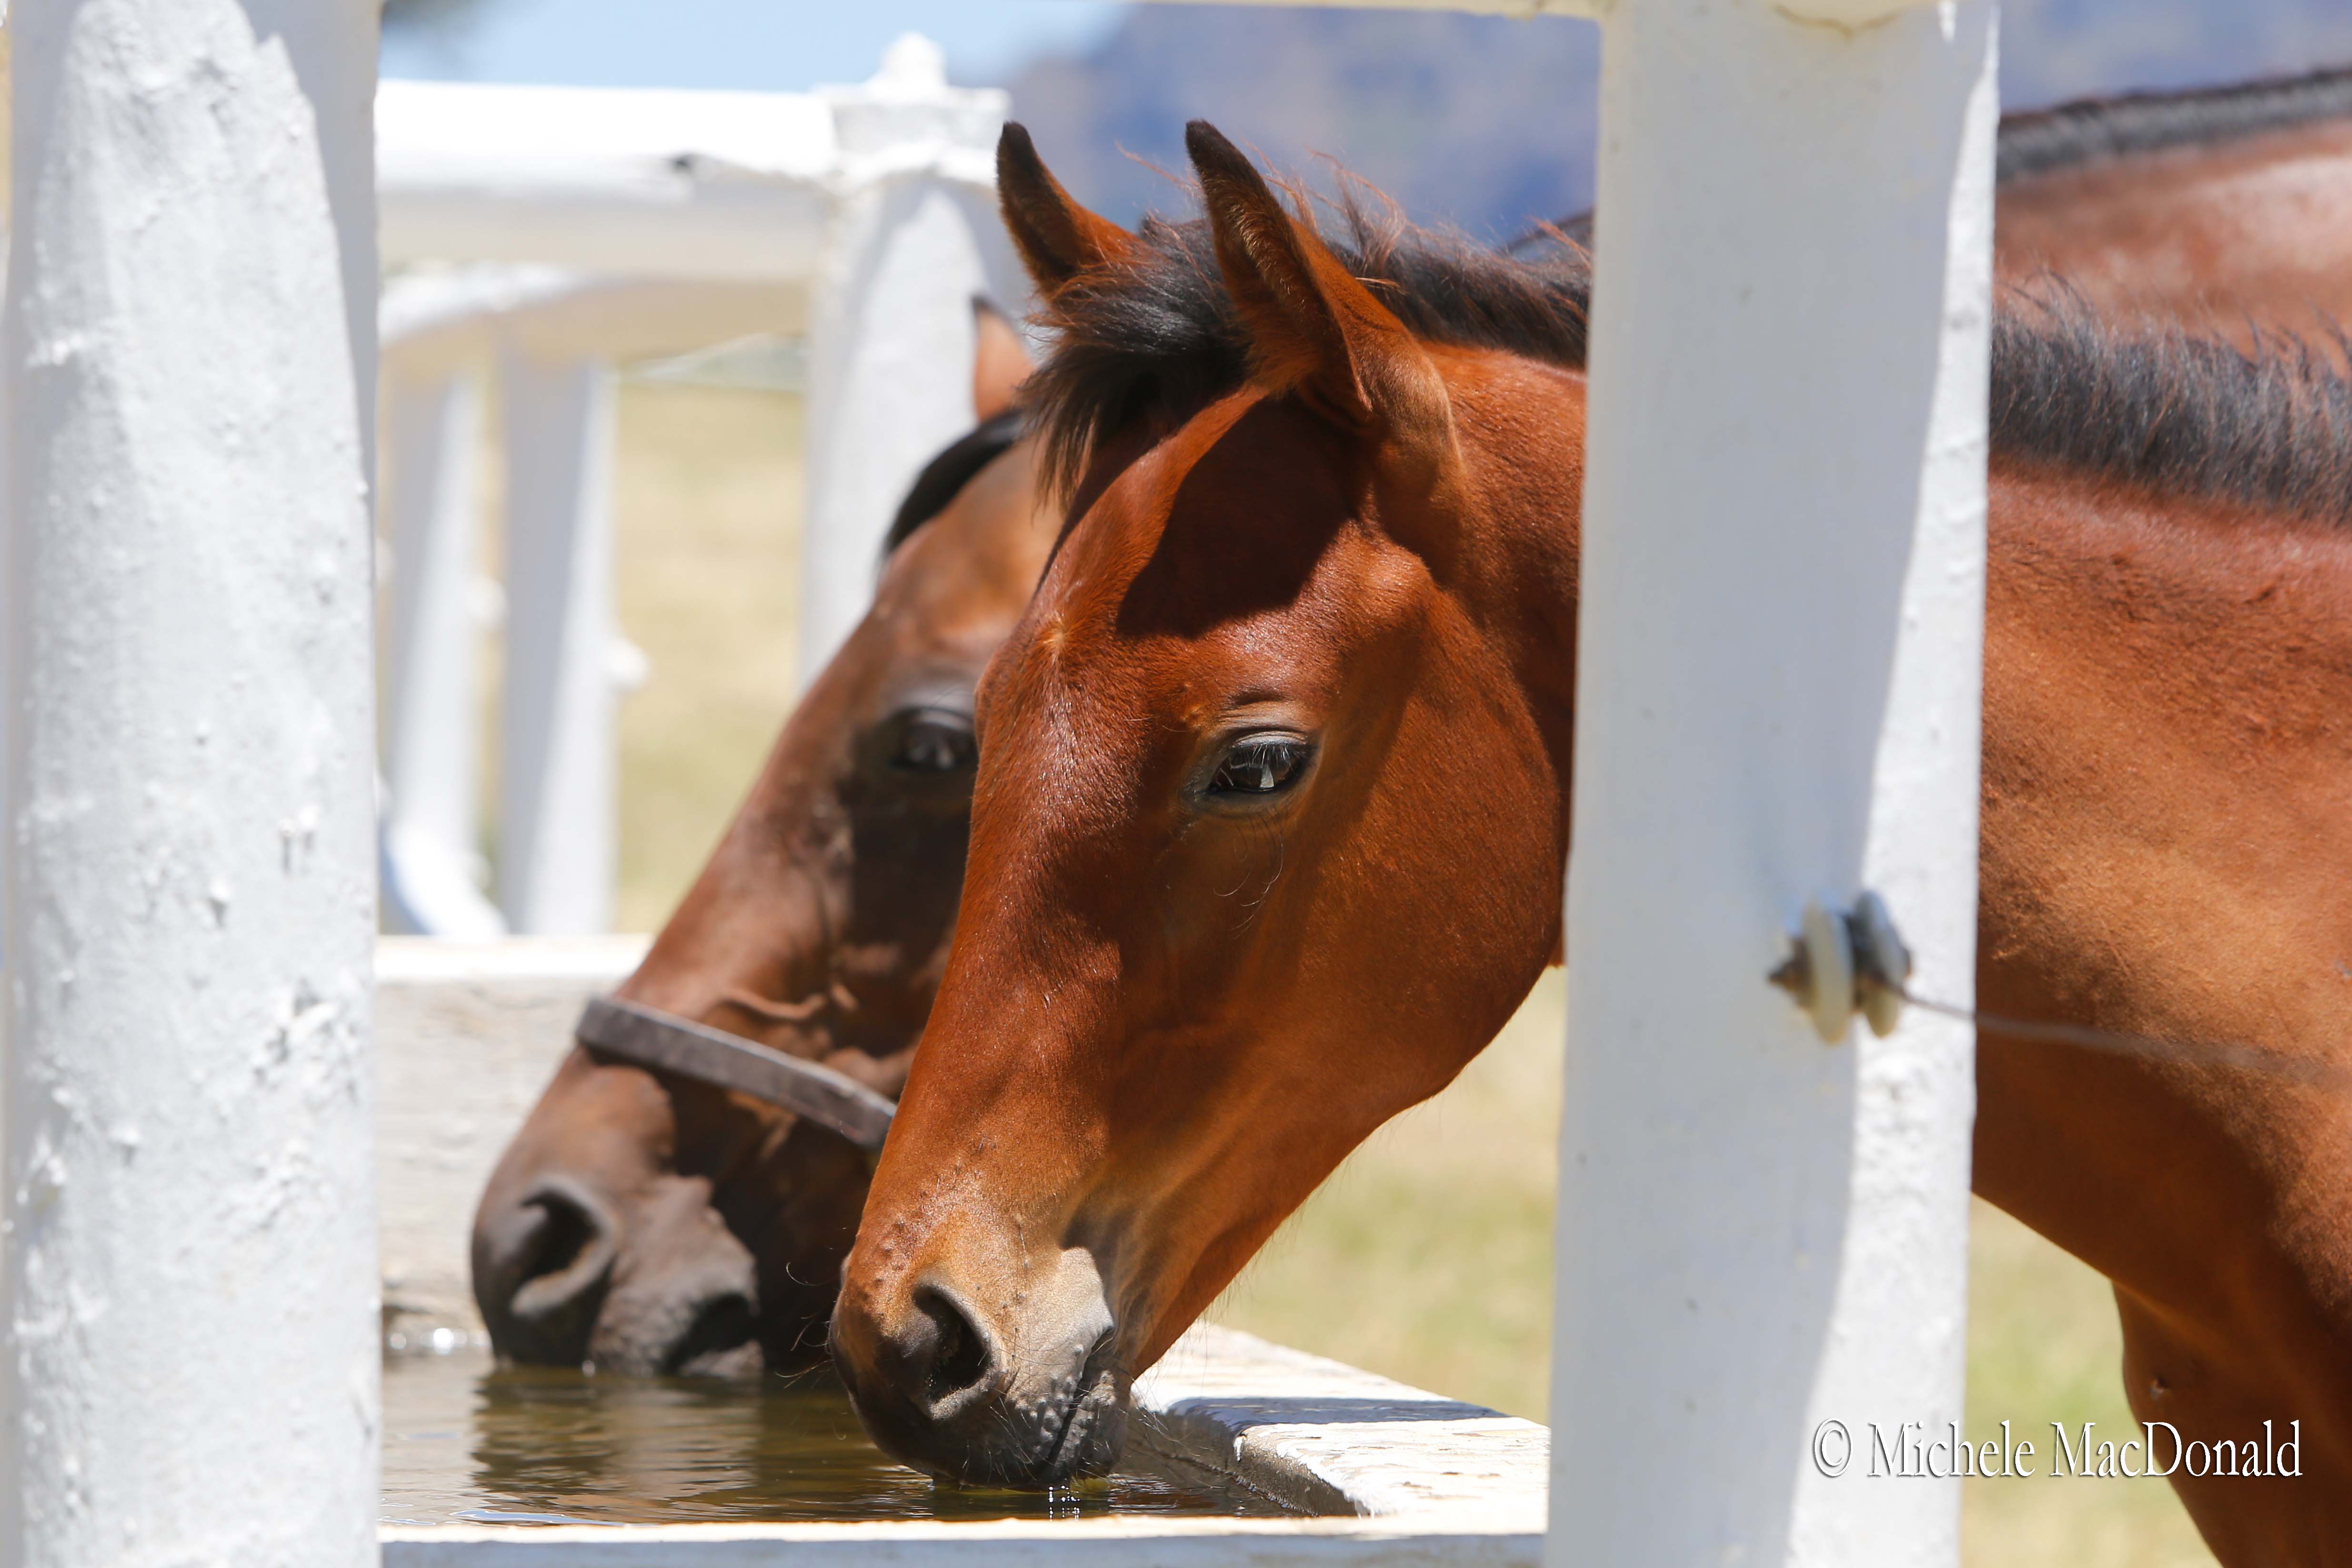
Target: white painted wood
{"points": [[706, 185], [190, 901], [1125, 1543], [1331, 1438], [1778, 683], [1519, 8], [556, 817], [451, 319], [891, 338], [652, 183], [1848, 14], [433, 865], [893, 318]]}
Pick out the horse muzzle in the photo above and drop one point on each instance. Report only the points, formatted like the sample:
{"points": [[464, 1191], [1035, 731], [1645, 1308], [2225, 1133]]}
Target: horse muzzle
{"points": [[563, 1279], [1031, 1394]]}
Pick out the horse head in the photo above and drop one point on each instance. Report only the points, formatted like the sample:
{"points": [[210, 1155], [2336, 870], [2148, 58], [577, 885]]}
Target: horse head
{"points": [[647, 1221], [1267, 835]]}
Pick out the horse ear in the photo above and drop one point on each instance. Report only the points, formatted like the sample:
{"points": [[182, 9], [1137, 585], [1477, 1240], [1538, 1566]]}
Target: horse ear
{"points": [[1057, 238], [1000, 362], [1314, 329]]}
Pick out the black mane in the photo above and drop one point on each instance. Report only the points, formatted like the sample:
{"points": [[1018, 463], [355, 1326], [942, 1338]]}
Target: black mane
{"points": [[1158, 338], [945, 475], [2172, 412], [2093, 130]]}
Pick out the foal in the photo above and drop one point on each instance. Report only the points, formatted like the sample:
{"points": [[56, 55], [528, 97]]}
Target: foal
{"points": [[1268, 833]]}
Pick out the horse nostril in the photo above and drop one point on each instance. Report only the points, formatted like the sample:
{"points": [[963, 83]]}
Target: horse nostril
{"points": [[558, 1248], [960, 1356], [571, 1247], [565, 1229]]}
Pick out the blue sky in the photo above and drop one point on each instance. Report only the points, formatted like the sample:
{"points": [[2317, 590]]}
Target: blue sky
{"points": [[774, 45]]}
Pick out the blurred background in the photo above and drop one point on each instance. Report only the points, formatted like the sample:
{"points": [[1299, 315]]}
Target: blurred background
{"points": [[1427, 1257]]}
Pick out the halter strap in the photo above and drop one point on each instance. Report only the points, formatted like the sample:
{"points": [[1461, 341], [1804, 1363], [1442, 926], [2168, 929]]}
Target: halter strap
{"points": [[647, 1037]]}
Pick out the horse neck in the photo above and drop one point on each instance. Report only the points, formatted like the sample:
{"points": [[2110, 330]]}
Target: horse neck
{"points": [[2167, 847]]}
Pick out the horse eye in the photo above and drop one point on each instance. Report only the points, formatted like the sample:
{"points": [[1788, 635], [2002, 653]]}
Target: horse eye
{"points": [[1261, 765], [934, 743]]}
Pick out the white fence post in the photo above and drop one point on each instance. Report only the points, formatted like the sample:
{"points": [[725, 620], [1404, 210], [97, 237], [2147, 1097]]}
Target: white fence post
{"points": [[432, 732], [891, 329], [189, 905], [1759, 1235], [557, 814]]}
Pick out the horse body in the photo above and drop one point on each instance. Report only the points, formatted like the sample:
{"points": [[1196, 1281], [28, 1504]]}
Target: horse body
{"points": [[2224, 209], [2166, 851], [1269, 831]]}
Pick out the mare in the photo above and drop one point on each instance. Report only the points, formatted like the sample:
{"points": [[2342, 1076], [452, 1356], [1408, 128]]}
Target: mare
{"points": [[647, 1221], [625, 1174], [1272, 814]]}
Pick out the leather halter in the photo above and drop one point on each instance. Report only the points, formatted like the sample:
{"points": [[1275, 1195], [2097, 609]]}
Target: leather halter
{"points": [[647, 1037]]}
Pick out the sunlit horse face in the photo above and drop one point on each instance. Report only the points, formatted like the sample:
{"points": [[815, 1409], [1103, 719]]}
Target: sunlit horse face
{"points": [[648, 1222], [1264, 844]]}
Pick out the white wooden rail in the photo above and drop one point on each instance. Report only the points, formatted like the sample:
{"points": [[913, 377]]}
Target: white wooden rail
{"points": [[589, 226]]}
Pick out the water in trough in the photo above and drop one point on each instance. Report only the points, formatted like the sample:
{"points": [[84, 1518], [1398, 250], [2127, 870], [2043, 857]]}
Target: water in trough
{"points": [[468, 1442]]}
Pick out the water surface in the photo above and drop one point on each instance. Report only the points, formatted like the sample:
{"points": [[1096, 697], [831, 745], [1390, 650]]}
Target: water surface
{"points": [[468, 1442]]}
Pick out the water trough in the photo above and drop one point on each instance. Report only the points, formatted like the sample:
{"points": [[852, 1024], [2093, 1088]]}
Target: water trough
{"points": [[1359, 1468]]}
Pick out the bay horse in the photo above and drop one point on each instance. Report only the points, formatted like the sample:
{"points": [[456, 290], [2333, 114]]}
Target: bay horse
{"points": [[622, 1175], [647, 1221], [1269, 829]]}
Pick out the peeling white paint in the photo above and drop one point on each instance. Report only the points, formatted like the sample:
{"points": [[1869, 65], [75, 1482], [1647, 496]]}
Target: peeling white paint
{"points": [[190, 1252]]}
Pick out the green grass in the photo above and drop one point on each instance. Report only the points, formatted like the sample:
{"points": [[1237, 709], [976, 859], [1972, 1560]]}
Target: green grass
{"points": [[1427, 1257]]}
